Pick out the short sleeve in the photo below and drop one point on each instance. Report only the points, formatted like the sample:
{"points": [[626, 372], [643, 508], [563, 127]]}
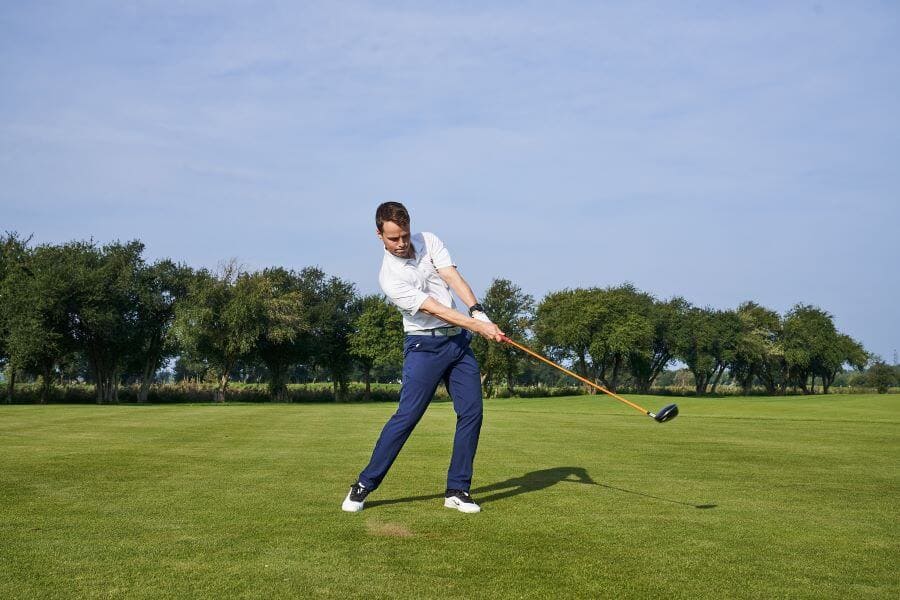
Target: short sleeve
{"points": [[406, 297], [440, 256]]}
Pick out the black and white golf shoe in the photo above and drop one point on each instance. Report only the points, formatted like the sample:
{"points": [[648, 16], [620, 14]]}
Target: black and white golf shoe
{"points": [[356, 497], [461, 501]]}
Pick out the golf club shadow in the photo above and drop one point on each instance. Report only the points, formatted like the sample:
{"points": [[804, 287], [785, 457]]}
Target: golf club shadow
{"points": [[531, 482], [618, 489]]}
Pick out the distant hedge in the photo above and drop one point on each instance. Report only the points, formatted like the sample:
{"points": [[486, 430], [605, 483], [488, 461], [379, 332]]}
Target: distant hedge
{"points": [[171, 393], [174, 393]]}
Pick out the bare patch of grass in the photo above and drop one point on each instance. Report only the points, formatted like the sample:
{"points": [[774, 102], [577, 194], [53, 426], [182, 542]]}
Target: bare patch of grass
{"points": [[388, 529]]}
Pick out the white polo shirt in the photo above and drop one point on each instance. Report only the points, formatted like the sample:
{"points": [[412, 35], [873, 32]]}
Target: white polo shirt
{"points": [[408, 282]]}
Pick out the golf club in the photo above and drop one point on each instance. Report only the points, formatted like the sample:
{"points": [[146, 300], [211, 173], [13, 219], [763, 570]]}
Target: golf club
{"points": [[666, 413]]}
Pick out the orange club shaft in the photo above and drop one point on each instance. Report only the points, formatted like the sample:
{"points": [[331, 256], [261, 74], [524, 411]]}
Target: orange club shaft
{"points": [[575, 375]]}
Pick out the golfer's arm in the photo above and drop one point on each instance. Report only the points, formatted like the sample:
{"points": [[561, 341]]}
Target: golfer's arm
{"points": [[448, 315], [451, 277]]}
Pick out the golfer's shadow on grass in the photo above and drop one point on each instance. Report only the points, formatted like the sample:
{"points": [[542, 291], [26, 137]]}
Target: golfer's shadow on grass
{"points": [[532, 482]]}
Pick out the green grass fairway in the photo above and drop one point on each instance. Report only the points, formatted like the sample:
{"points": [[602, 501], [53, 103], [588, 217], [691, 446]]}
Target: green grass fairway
{"points": [[582, 497]]}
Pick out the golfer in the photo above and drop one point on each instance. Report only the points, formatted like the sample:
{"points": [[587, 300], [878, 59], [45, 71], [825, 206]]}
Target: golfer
{"points": [[417, 275]]}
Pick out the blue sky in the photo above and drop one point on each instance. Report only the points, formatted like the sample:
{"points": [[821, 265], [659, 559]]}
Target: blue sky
{"points": [[718, 151]]}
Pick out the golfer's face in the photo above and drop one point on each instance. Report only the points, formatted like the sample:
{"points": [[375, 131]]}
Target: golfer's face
{"points": [[396, 239]]}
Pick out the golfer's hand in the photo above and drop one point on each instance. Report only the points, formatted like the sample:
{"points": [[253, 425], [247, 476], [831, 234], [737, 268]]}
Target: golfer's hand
{"points": [[487, 330]]}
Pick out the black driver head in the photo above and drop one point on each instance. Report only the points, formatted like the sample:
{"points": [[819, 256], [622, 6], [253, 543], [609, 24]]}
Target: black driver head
{"points": [[666, 413]]}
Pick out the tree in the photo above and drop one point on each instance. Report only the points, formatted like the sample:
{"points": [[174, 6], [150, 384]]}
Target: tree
{"points": [[189, 368], [726, 338], [623, 328], [377, 337], [881, 376], [845, 351], [761, 349], [694, 346], [332, 315], [105, 284], [646, 364], [284, 339], [564, 327], [814, 348], [598, 329], [512, 310], [757, 352], [13, 253], [221, 320], [706, 342], [38, 293], [159, 288]]}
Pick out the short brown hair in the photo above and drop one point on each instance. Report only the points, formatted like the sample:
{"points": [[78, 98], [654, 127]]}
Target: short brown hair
{"points": [[393, 212]]}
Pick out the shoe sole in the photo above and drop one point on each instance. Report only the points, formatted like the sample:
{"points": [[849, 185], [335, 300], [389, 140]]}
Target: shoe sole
{"points": [[461, 506]]}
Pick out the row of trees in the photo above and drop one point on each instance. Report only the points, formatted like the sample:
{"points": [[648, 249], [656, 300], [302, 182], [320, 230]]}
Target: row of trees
{"points": [[622, 336], [104, 314], [881, 376]]}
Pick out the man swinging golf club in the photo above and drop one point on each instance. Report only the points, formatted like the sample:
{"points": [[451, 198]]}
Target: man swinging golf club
{"points": [[417, 274]]}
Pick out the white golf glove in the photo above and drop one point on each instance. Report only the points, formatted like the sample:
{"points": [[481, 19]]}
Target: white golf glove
{"points": [[481, 316]]}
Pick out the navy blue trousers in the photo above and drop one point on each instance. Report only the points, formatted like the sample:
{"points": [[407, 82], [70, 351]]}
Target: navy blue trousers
{"points": [[428, 361]]}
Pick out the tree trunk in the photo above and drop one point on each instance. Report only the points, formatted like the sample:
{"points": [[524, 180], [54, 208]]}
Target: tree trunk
{"points": [[46, 382], [827, 380], [107, 387], [99, 384], [106, 381], [278, 381], [700, 382], [582, 363], [367, 377], [223, 385], [11, 383], [146, 376], [717, 377], [646, 383], [614, 380], [801, 383]]}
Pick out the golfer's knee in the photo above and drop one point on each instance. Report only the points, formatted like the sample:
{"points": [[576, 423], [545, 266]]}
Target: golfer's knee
{"points": [[471, 413], [406, 420]]}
